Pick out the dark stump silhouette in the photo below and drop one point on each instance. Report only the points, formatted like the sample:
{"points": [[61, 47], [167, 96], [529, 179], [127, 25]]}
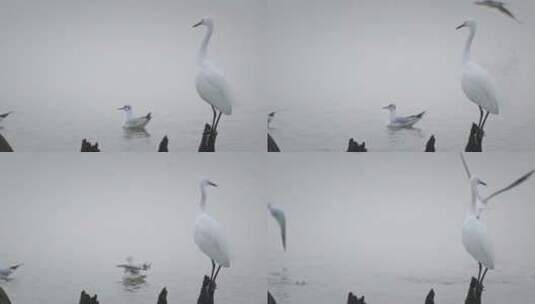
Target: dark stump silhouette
{"points": [[207, 291], [474, 292], [163, 145], [162, 298], [354, 146], [272, 145], [87, 299], [430, 299], [88, 147], [475, 139], [271, 300], [208, 139], [430, 146], [4, 145], [353, 299], [4, 299]]}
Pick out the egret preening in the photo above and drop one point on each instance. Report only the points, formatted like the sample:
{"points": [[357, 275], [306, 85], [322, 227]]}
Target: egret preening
{"points": [[131, 122], [476, 239], [500, 6], [6, 272], [397, 121], [281, 220], [476, 82], [3, 116], [208, 235], [210, 82]]}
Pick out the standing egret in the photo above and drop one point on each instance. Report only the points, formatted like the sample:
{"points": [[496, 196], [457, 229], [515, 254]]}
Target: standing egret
{"points": [[281, 220], [210, 82], [208, 235], [3, 116], [6, 272], [476, 239], [397, 121], [131, 122], [476, 82]]}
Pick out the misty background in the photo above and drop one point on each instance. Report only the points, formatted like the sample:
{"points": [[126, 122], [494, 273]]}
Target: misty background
{"points": [[333, 65], [389, 227], [66, 66], [72, 218]]}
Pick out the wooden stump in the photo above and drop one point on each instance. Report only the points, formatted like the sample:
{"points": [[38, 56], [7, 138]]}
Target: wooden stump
{"points": [[272, 145], [162, 298], [430, 146], [207, 291], [86, 299], [163, 144], [475, 139], [354, 146], [208, 140], [430, 299], [4, 299], [353, 299], [271, 300], [4, 145], [474, 292], [88, 147]]}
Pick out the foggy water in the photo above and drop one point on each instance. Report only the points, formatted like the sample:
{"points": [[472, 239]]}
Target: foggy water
{"points": [[66, 66], [334, 64], [389, 227], [72, 218]]}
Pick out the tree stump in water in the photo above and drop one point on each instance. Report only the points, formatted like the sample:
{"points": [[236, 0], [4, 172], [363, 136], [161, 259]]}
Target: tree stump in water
{"points": [[430, 299], [474, 292], [207, 291], [88, 147], [162, 298], [86, 299], [430, 146], [4, 299], [271, 300], [163, 146], [272, 145], [475, 139], [4, 145], [208, 140], [354, 146], [353, 299]]}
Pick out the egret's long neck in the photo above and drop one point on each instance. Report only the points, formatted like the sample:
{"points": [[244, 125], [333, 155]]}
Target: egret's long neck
{"points": [[468, 45], [473, 210], [203, 51], [203, 197]]}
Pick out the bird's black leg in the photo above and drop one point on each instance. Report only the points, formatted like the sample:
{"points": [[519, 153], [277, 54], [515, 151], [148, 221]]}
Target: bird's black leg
{"points": [[480, 116], [213, 268], [485, 120], [217, 121], [213, 119], [479, 273], [217, 272], [483, 277]]}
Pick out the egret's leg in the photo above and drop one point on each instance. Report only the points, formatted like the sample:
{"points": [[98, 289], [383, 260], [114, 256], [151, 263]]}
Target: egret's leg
{"points": [[213, 118], [479, 273], [217, 121], [483, 277], [480, 116], [485, 120], [216, 273], [213, 268]]}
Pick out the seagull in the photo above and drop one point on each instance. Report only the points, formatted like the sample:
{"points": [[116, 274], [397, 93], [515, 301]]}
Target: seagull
{"points": [[476, 239], [281, 220], [476, 82], [3, 116], [208, 235], [133, 268], [500, 6], [210, 82], [134, 122], [6, 272], [402, 121]]}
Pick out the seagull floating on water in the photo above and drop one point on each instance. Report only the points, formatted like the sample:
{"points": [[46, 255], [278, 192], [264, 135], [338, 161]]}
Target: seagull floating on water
{"points": [[131, 122], [6, 272], [3, 116], [476, 82], [210, 82], [208, 235], [402, 121], [500, 6], [132, 268], [279, 216], [476, 239]]}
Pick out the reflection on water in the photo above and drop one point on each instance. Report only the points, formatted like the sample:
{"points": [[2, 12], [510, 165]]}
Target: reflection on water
{"points": [[135, 133], [133, 282]]}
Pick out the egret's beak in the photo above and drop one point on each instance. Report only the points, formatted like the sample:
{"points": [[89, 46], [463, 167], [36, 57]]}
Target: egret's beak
{"points": [[212, 184], [482, 183], [197, 24], [461, 26]]}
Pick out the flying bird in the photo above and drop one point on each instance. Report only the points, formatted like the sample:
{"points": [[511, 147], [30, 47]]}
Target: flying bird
{"points": [[210, 82], [208, 234], [397, 121], [500, 6], [279, 216], [131, 122], [476, 82], [6, 272], [476, 239], [3, 116]]}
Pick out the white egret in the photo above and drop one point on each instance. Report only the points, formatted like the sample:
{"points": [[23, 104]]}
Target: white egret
{"points": [[208, 235], [6, 272], [3, 116], [476, 82], [131, 122], [210, 81], [500, 6], [476, 239], [279, 216], [397, 121]]}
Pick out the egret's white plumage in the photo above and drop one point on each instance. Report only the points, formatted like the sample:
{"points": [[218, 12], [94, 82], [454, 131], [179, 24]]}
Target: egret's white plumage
{"points": [[131, 122], [476, 82], [208, 234], [280, 217], [6, 272], [397, 121], [210, 81]]}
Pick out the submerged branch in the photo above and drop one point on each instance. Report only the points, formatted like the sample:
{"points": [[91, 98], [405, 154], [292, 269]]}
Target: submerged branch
{"points": [[4, 145], [88, 147], [354, 146], [272, 145], [475, 139], [208, 139]]}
